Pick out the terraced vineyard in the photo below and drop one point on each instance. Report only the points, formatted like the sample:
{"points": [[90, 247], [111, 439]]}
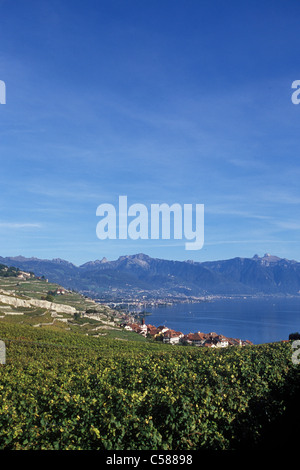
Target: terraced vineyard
{"points": [[79, 381], [65, 390], [102, 320]]}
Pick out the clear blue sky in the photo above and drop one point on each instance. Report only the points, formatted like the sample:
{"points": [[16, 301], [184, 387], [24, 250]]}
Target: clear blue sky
{"points": [[163, 101]]}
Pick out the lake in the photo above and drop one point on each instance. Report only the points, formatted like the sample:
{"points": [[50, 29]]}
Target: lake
{"points": [[258, 320]]}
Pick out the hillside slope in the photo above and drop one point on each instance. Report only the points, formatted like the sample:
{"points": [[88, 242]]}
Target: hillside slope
{"points": [[44, 305], [66, 391]]}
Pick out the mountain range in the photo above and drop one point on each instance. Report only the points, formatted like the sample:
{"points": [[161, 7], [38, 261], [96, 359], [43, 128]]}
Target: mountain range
{"points": [[152, 277]]}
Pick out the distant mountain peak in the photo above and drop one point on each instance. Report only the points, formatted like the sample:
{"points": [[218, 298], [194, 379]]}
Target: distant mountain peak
{"points": [[270, 258], [141, 256], [23, 258], [267, 274], [61, 261], [95, 263], [139, 259], [267, 257]]}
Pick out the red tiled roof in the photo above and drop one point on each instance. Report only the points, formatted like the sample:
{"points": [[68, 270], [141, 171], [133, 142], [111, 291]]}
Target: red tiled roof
{"points": [[172, 334], [196, 336], [152, 330], [135, 327], [213, 334]]}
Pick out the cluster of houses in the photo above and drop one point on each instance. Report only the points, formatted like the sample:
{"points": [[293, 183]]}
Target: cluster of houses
{"points": [[23, 275], [167, 335], [60, 291]]}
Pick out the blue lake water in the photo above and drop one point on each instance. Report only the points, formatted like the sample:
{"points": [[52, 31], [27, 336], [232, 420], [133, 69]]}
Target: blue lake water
{"points": [[258, 320]]}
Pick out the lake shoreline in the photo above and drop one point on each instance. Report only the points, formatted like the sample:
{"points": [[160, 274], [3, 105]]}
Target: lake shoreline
{"points": [[258, 319]]}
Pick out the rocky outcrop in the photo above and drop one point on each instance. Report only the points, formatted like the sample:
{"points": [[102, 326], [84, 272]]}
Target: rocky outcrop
{"points": [[28, 303]]}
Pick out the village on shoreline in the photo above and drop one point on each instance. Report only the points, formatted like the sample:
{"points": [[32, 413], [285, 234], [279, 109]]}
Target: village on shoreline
{"points": [[170, 336]]}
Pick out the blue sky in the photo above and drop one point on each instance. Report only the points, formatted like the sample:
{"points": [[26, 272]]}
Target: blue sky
{"points": [[164, 101]]}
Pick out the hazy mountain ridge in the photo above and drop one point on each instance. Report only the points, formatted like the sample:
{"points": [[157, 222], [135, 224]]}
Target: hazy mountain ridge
{"points": [[266, 275]]}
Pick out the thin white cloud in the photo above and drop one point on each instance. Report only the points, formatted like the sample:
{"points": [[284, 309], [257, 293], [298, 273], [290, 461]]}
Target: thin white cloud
{"points": [[19, 225], [74, 192], [248, 242], [288, 224], [224, 210], [282, 197]]}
